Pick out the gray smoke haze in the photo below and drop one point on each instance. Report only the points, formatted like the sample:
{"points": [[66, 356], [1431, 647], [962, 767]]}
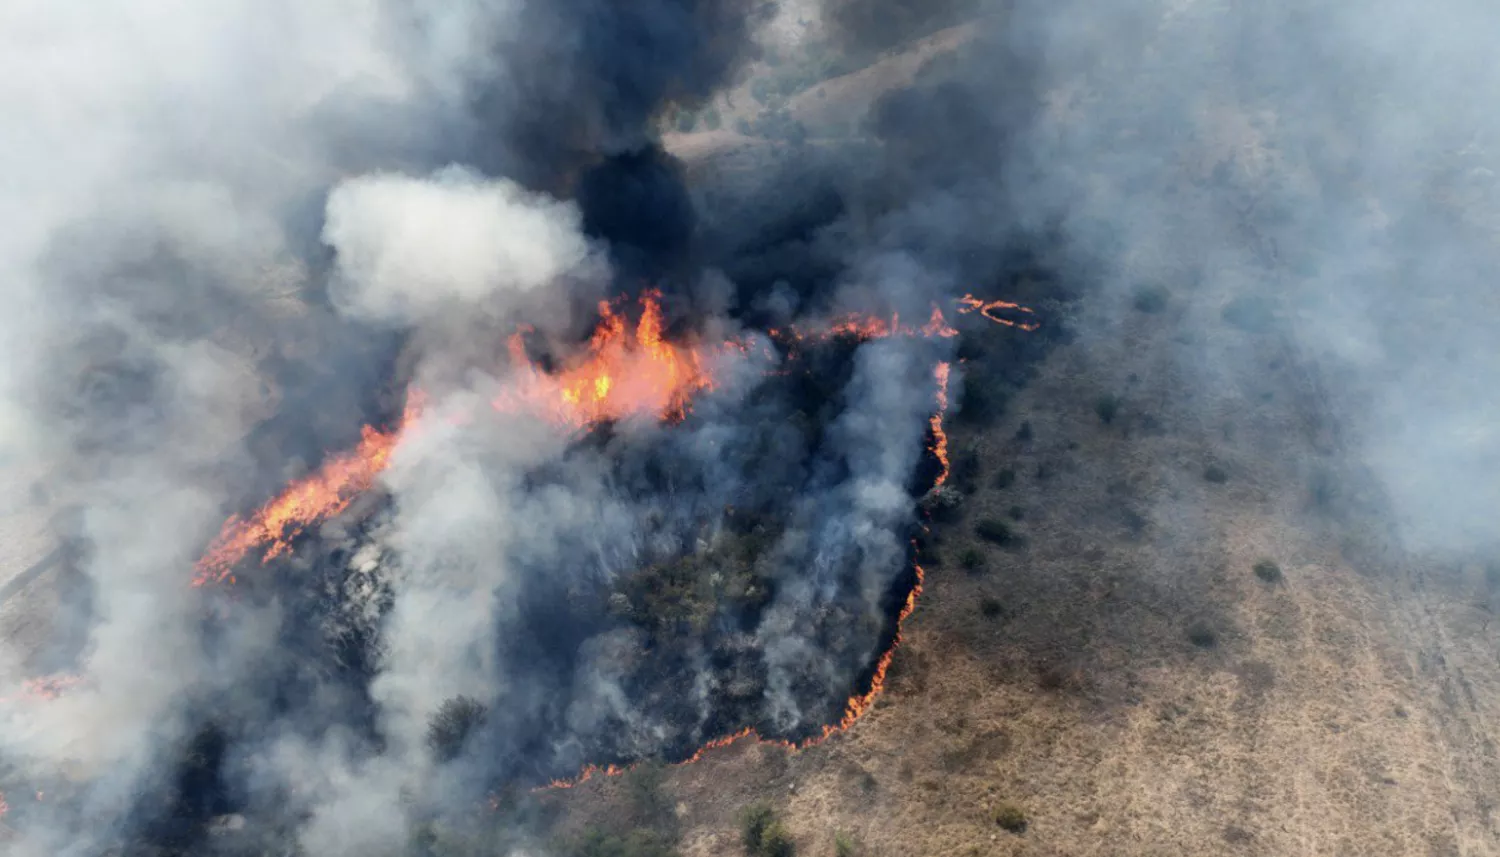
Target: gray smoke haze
{"points": [[233, 234], [1319, 170]]}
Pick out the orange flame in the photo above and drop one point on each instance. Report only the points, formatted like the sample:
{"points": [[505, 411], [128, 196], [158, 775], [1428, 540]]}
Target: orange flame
{"points": [[935, 422], [969, 303], [306, 501], [857, 707], [620, 374]]}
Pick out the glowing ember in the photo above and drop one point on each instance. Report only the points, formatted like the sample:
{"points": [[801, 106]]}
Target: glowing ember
{"points": [[862, 327], [969, 303], [45, 687], [620, 374]]}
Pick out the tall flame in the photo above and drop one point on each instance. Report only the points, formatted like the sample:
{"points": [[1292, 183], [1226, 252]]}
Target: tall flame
{"points": [[620, 374]]}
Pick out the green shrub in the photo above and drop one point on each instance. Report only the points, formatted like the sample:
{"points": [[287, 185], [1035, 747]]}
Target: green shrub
{"points": [[1268, 571], [1215, 474], [995, 531], [1107, 407], [1202, 635], [990, 608], [1015, 513], [763, 834], [1024, 433], [981, 403], [451, 725], [843, 845], [1010, 817], [971, 559], [1149, 299], [965, 471], [1005, 478]]}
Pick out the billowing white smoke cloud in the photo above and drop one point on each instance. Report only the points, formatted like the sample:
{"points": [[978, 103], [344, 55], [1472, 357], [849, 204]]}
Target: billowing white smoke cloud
{"points": [[410, 248]]}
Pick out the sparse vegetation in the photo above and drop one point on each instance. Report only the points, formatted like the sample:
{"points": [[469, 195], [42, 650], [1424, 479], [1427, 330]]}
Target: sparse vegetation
{"points": [[1011, 818], [843, 845], [995, 531], [1268, 571], [1107, 407], [644, 785], [763, 833], [990, 608], [1202, 635], [636, 843], [1024, 433], [1215, 474], [1005, 478], [1149, 299], [452, 724], [1015, 513]]}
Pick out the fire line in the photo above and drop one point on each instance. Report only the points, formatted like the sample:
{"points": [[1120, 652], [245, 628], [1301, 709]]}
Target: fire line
{"points": [[620, 374]]}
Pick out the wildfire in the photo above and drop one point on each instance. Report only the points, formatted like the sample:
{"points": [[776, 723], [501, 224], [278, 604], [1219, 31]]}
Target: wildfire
{"points": [[935, 422], [862, 327], [969, 303], [306, 501], [46, 687], [857, 707], [620, 374]]}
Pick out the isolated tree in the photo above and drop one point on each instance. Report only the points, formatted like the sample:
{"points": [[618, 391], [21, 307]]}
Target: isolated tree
{"points": [[452, 724]]}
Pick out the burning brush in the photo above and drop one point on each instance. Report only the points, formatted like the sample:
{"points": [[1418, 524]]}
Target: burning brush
{"points": [[626, 370]]}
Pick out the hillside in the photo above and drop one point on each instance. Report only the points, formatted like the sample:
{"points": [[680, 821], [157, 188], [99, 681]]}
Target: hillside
{"points": [[1122, 674]]}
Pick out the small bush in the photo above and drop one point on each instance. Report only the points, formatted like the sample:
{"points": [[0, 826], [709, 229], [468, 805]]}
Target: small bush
{"points": [[990, 608], [452, 724], [1024, 433], [965, 471], [995, 531], [1107, 407], [981, 404], [763, 834], [1005, 478], [1149, 299], [972, 559], [1015, 513], [1010, 817], [843, 845], [1215, 474], [1268, 571], [1202, 635]]}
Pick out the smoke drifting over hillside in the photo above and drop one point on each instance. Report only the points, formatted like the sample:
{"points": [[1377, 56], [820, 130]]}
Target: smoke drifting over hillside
{"points": [[237, 235]]}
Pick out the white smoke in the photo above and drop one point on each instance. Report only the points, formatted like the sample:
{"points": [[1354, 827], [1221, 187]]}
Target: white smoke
{"points": [[411, 248]]}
